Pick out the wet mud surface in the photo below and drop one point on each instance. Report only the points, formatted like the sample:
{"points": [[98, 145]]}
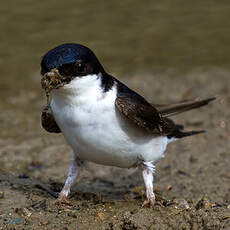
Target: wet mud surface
{"points": [[191, 182], [168, 51]]}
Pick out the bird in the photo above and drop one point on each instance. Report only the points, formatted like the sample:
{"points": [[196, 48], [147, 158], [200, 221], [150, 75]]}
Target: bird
{"points": [[105, 121]]}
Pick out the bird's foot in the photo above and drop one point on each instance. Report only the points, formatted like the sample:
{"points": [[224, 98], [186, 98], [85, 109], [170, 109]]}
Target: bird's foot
{"points": [[62, 199], [149, 202]]}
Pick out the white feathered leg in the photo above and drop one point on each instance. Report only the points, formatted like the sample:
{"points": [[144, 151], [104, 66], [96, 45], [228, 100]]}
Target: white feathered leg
{"points": [[147, 172], [74, 170]]}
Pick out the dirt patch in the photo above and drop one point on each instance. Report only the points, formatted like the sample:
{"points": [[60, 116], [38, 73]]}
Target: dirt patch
{"points": [[28, 204], [191, 182]]}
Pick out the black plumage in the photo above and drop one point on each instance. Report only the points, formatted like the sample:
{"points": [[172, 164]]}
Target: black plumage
{"points": [[75, 60]]}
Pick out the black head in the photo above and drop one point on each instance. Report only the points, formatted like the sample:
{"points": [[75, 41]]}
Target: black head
{"points": [[71, 60]]}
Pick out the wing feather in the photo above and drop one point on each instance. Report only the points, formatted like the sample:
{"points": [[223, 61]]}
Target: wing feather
{"points": [[144, 115]]}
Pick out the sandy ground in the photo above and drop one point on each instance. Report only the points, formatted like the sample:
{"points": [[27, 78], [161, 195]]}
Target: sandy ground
{"points": [[191, 182], [184, 48]]}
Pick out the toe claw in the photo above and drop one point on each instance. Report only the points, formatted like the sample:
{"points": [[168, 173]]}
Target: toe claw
{"points": [[62, 199]]}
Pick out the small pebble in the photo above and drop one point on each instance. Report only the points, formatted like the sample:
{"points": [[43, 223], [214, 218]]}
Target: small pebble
{"points": [[169, 187], [23, 176], [1, 194], [181, 203], [35, 165], [100, 215], [222, 124], [204, 203], [23, 212]]}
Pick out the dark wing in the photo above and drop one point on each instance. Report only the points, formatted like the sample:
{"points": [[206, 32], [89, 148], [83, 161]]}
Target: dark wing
{"points": [[140, 112], [48, 122], [173, 109]]}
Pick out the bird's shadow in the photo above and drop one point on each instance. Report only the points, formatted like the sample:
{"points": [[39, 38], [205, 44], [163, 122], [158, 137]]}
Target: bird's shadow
{"points": [[96, 189]]}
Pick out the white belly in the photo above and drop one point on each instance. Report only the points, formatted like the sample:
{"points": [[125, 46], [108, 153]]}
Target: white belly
{"points": [[98, 132]]}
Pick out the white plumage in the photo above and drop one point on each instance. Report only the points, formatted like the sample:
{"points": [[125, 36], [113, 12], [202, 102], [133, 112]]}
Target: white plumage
{"points": [[97, 131]]}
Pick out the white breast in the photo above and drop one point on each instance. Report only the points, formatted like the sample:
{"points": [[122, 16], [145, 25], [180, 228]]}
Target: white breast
{"points": [[96, 130]]}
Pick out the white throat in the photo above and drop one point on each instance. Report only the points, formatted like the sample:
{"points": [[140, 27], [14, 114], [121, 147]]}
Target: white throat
{"points": [[88, 86]]}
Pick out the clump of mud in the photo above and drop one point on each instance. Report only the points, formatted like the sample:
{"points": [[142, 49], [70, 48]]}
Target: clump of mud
{"points": [[53, 80]]}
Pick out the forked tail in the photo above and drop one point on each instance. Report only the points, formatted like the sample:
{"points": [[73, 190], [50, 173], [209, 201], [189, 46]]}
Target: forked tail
{"points": [[177, 133], [173, 109]]}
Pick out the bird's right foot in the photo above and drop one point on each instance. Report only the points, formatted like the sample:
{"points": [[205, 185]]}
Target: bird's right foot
{"points": [[62, 199]]}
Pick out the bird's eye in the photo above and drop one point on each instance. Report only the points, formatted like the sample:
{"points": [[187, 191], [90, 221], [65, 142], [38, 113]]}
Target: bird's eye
{"points": [[80, 67]]}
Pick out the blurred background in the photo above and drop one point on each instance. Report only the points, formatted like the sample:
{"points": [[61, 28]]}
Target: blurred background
{"points": [[131, 38], [167, 51]]}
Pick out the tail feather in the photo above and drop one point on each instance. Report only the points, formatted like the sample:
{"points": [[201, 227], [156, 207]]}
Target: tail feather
{"points": [[173, 109], [178, 134]]}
